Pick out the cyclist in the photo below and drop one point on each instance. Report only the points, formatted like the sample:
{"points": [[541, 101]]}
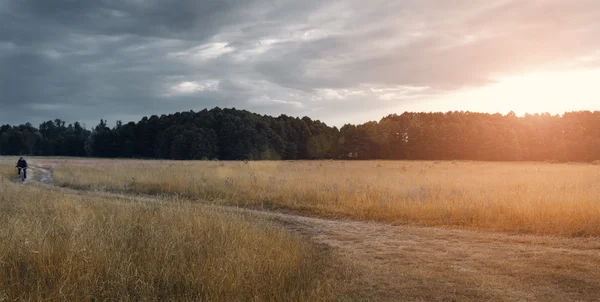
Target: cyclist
{"points": [[22, 165]]}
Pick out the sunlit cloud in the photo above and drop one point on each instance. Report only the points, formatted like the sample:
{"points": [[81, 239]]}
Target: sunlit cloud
{"points": [[266, 100], [205, 52], [191, 87]]}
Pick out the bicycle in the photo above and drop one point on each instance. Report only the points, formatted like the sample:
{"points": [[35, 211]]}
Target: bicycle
{"points": [[22, 175]]}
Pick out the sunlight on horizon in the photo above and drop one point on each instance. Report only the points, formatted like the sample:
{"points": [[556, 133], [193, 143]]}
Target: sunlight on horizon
{"points": [[537, 92]]}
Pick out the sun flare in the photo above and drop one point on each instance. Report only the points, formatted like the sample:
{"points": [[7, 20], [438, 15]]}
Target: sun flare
{"points": [[536, 92], [554, 92]]}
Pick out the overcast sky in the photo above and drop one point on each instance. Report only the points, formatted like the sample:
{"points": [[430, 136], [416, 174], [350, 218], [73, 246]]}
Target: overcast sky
{"points": [[334, 60]]}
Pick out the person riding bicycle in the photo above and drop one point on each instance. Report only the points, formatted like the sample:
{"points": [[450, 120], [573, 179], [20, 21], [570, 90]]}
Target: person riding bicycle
{"points": [[22, 165]]}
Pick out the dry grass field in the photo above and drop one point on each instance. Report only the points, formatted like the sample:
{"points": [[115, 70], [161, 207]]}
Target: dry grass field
{"points": [[533, 198], [60, 245], [161, 229]]}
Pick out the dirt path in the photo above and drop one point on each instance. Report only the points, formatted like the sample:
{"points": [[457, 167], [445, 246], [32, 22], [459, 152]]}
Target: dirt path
{"points": [[44, 176], [408, 263], [35, 174]]}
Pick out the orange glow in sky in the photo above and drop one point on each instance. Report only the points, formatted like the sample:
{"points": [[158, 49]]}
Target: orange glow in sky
{"points": [[537, 92]]}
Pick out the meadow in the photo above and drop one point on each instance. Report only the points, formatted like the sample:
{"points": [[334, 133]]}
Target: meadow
{"points": [[532, 198], [58, 244], [96, 229]]}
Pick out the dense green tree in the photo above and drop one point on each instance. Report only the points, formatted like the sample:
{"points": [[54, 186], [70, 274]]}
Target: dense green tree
{"points": [[231, 134]]}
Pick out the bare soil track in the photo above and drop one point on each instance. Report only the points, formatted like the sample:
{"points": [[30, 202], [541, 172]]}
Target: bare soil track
{"points": [[36, 174], [409, 263]]}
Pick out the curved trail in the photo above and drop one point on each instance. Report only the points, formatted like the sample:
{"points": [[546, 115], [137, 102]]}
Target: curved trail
{"points": [[36, 174], [409, 263], [419, 263]]}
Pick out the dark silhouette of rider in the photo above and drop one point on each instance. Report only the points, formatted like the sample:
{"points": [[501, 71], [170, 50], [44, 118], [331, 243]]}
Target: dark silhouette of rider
{"points": [[22, 165]]}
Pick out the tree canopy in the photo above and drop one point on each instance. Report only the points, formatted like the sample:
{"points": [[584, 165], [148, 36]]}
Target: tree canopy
{"points": [[230, 134]]}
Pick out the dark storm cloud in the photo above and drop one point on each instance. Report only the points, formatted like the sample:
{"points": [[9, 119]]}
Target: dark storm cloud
{"points": [[167, 19], [86, 60]]}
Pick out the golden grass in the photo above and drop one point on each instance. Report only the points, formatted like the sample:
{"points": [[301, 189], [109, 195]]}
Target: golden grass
{"points": [[59, 245], [538, 198], [7, 172]]}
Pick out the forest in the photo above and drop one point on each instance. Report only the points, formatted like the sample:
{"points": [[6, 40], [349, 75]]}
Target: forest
{"points": [[231, 134]]}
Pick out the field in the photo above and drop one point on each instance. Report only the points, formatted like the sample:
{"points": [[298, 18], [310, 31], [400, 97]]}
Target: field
{"points": [[60, 245], [535, 198], [331, 230]]}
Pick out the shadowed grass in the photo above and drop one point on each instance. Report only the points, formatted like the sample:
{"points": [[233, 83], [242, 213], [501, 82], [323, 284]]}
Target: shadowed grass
{"points": [[56, 245], [538, 198]]}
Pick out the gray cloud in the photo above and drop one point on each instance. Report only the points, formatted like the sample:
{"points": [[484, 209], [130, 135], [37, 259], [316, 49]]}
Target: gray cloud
{"points": [[333, 60]]}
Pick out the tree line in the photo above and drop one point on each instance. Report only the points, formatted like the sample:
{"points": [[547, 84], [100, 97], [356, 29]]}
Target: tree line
{"points": [[230, 134]]}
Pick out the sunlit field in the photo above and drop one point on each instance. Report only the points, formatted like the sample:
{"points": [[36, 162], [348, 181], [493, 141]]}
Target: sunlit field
{"points": [[535, 198], [57, 245], [92, 229]]}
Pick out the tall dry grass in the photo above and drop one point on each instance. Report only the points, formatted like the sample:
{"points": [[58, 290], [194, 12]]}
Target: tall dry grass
{"points": [[539, 198], [7, 171], [61, 246]]}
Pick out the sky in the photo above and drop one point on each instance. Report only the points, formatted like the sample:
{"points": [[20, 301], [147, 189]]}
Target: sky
{"points": [[339, 61]]}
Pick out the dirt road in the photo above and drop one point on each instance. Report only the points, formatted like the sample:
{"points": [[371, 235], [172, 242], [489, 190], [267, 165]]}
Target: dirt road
{"points": [[409, 263], [400, 263]]}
